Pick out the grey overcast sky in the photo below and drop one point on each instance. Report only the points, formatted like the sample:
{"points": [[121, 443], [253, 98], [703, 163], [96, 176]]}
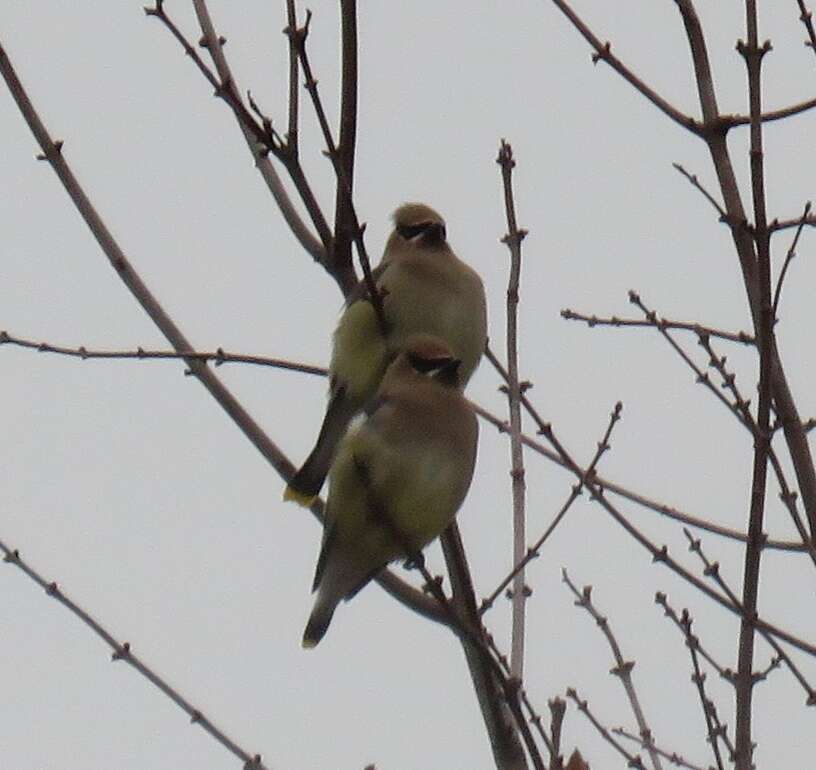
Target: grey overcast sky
{"points": [[126, 483]]}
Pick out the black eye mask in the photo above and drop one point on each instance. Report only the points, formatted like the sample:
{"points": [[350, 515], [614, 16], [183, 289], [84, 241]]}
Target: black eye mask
{"points": [[426, 365], [423, 228]]}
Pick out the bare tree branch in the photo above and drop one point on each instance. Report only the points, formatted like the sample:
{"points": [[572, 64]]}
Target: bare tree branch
{"points": [[343, 220], [52, 151], [123, 651], [513, 241], [715, 730], [343, 181], [712, 571], [788, 259], [227, 89], [753, 54], [806, 17], [632, 760], [603, 52], [622, 669]]}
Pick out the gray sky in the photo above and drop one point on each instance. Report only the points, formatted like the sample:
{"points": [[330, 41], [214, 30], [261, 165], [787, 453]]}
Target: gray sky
{"points": [[127, 484]]}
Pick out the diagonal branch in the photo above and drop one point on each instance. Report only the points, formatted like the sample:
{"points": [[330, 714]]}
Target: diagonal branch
{"points": [[806, 17], [622, 669], [225, 87], [52, 151], [788, 259], [123, 651], [603, 52]]}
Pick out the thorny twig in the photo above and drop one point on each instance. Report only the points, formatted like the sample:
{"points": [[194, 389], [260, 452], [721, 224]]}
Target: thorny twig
{"points": [[261, 138], [513, 239], [219, 356], [343, 180], [594, 320], [122, 651], [633, 760], [806, 17], [712, 570], [622, 669], [659, 554], [715, 730], [672, 756], [534, 550]]}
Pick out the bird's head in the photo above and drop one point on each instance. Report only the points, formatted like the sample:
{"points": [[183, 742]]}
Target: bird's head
{"points": [[416, 223], [427, 356]]}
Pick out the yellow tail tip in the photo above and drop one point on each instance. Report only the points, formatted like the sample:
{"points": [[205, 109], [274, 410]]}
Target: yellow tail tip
{"points": [[308, 644], [292, 495]]}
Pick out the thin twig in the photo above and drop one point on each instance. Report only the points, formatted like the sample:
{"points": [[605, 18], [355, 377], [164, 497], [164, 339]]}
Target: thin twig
{"points": [[622, 669], [343, 181], [603, 52], [737, 408], [659, 554], [788, 259], [534, 550], [672, 756], [712, 571], [788, 496], [715, 729], [225, 87], [806, 17], [683, 623], [513, 240], [769, 117], [218, 357], [633, 760], [695, 182], [594, 320], [534, 717], [122, 651], [779, 225]]}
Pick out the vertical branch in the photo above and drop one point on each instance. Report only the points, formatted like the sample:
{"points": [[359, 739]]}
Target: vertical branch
{"points": [[343, 227], [513, 240], [292, 130], [753, 54], [343, 184], [714, 134]]}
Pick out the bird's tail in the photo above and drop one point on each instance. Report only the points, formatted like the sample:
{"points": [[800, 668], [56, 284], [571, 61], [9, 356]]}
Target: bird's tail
{"points": [[305, 485], [319, 620]]}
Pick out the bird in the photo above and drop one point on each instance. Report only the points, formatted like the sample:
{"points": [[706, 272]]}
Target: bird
{"points": [[399, 476], [425, 288]]}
